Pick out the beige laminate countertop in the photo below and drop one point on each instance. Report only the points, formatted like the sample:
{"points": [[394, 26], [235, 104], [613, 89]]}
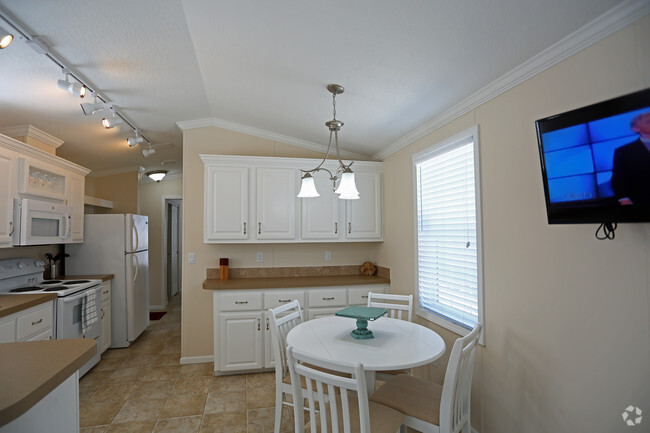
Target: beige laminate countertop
{"points": [[291, 282], [103, 277], [10, 304], [32, 369]]}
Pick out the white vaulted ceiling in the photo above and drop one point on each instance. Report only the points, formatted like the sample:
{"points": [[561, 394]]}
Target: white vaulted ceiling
{"points": [[264, 65]]}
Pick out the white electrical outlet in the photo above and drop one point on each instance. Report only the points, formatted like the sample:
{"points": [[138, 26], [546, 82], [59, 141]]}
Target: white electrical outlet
{"points": [[191, 258], [328, 256], [260, 257]]}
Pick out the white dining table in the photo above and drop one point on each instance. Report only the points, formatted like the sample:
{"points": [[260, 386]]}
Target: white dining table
{"points": [[397, 344]]}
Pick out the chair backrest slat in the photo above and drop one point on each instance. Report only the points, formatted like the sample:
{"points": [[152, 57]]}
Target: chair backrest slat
{"points": [[457, 388], [395, 304], [283, 319]]}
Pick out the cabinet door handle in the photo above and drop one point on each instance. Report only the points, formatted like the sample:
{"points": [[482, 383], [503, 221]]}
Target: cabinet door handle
{"points": [[241, 302], [336, 228], [11, 228], [37, 322], [259, 228], [267, 323], [244, 227], [349, 227], [284, 300], [364, 296], [328, 299], [103, 313], [259, 325]]}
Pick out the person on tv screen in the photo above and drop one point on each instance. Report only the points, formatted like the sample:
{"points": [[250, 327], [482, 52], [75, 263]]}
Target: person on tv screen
{"points": [[631, 171]]}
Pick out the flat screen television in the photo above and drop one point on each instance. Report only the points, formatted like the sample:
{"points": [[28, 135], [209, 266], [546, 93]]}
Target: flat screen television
{"points": [[595, 164]]}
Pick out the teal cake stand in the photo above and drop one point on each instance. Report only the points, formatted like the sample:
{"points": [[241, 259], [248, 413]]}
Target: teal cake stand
{"points": [[362, 314]]}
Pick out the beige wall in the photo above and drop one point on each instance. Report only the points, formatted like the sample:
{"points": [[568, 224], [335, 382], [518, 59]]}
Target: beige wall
{"points": [[567, 317], [197, 303], [152, 196], [121, 189]]}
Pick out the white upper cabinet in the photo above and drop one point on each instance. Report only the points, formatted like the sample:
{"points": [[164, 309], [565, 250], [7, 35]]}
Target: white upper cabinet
{"points": [[226, 203], [364, 216], [254, 200], [76, 191], [7, 172], [276, 203]]}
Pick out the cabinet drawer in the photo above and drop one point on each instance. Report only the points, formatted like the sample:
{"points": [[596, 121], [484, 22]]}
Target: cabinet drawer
{"points": [[240, 301], [106, 293], [8, 331], [358, 296], [45, 335], [34, 322], [275, 298], [328, 298]]}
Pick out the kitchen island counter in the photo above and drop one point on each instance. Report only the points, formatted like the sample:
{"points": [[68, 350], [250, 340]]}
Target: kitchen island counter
{"points": [[10, 304], [33, 369]]}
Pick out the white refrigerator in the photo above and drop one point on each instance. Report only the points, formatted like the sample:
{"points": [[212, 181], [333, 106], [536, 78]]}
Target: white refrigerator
{"points": [[117, 244]]}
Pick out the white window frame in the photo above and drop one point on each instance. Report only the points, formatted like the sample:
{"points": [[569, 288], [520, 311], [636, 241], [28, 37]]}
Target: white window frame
{"points": [[441, 147]]}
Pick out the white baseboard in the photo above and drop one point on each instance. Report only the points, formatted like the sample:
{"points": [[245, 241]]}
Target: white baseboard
{"points": [[156, 308], [197, 359]]}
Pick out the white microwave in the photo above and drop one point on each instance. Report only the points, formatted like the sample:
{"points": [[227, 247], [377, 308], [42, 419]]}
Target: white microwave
{"points": [[39, 222]]}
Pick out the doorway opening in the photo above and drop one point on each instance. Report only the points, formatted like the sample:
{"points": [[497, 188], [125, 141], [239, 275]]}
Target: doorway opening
{"points": [[172, 247]]}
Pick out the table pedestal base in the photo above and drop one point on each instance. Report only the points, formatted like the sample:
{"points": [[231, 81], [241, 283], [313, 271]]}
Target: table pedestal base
{"points": [[362, 332]]}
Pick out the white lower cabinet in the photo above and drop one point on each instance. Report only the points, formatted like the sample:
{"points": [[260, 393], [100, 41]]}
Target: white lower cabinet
{"points": [[105, 339], [34, 323], [242, 326]]}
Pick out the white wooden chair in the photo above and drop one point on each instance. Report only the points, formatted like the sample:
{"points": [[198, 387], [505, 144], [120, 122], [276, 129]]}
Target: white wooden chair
{"points": [[432, 408], [349, 411], [283, 319], [397, 306]]}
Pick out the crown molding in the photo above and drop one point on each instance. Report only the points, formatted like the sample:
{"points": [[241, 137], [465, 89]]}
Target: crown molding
{"points": [[237, 127], [32, 132], [611, 21]]}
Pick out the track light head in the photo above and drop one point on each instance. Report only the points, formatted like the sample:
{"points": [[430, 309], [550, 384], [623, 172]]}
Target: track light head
{"points": [[74, 88], [148, 152], [6, 38], [91, 108], [134, 140], [112, 121]]}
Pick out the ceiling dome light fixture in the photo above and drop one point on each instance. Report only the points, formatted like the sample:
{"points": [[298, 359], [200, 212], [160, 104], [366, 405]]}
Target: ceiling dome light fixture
{"points": [[6, 38], [157, 175], [112, 121], [347, 188], [73, 88]]}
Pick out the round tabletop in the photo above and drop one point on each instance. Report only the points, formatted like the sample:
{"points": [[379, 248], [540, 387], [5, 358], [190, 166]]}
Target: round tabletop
{"points": [[398, 344]]}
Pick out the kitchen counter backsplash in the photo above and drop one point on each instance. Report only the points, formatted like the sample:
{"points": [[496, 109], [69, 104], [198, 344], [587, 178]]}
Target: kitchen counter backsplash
{"points": [[305, 271]]}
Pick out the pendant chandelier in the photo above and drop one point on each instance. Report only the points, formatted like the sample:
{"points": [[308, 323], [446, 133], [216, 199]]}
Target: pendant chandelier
{"points": [[347, 189]]}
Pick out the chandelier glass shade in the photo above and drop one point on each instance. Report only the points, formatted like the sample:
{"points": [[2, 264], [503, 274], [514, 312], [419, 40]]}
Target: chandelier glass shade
{"points": [[343, 175]]}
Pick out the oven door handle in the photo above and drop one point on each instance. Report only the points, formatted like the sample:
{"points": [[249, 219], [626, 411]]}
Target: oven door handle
{"points": [[74, 298]]}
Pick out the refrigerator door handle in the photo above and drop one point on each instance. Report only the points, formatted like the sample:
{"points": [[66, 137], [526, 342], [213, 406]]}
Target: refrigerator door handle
{"points": [[137, 266], [136, 247]]}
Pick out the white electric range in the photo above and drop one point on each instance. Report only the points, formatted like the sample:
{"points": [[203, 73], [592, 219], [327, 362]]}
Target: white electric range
{"points": [[76, 309]]}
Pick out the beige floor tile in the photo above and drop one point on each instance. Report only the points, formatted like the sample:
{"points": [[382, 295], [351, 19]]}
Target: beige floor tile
{"points": [[132, 427], [191, 385], [116, 353], [228, 383], [95, 414], [140, 410], [109, 363], [256, 380], [95, 377], [86, 391], [228, 422], [149, 389], [173, 359], [263, 420], [183, 405], [170, 349], [165, 372], [149, 348], [113, 392], [130, 375], [96, 429], [260, 398], [230, 401], [188, 424], [139, 361], [205, 369]]}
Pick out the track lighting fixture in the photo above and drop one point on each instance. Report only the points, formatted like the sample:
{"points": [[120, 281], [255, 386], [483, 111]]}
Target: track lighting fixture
{"points": [[6, 38], [132, 141], [157, 175], [73, 88], [347, 189], [112, 121], [93, 107], [148, 151]]}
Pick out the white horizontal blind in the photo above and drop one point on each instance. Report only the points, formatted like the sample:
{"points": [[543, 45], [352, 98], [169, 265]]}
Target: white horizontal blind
{"points": [[446, 232]]}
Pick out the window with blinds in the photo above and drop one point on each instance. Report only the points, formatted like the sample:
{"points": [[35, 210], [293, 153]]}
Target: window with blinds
{"points": [[448, 234]]}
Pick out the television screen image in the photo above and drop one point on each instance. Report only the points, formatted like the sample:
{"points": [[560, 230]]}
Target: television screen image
{"points": [[596, 161]]}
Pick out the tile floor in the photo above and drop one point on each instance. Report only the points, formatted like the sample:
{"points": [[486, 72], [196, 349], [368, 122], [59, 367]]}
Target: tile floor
{"points": [[144, 388]]}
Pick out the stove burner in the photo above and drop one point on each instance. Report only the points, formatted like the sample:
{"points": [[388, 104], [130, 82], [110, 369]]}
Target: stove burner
{"points": [[68, 283], [53, 288], [25, 289], [50, 282]]}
